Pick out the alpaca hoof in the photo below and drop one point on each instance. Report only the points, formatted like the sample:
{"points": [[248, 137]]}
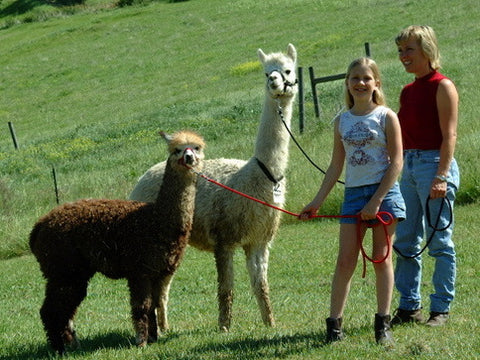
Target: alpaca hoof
{"points": [[152, 339], [224, 329], [141, 344], [59, 350], [269, 321], [141, 341], [71, 341], [74, 345], [61, 353]]}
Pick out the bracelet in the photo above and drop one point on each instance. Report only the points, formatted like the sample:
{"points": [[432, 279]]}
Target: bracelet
{"points": [[441, 178]]}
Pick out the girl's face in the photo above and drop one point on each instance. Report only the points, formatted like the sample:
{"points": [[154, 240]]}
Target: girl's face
{"points": [[361, 83], [412, 57]]}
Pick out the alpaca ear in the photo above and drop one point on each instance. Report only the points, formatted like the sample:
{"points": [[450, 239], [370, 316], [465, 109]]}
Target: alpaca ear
{"points": [[261, 56], [292, 52], [164, 135]]}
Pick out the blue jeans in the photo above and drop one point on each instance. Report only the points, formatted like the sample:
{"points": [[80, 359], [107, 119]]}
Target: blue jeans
{"points": [[420, 167]]}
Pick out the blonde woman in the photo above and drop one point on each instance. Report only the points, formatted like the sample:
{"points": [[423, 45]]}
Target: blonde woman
{"points": [[428, 116]]}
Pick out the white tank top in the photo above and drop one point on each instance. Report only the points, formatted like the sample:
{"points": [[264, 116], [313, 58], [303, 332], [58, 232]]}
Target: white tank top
{"points": [[365, 144]]}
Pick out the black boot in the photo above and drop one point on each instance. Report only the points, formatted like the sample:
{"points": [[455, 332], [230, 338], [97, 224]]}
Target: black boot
{"points": [[383, 334], [334, 329], [401, 316]]}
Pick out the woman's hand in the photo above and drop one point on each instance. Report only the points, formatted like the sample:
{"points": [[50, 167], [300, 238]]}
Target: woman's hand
{"points": [[438, 189]]}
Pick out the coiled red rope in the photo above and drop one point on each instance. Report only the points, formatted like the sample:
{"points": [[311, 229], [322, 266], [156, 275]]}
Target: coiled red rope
{"points": [[384, 218]]}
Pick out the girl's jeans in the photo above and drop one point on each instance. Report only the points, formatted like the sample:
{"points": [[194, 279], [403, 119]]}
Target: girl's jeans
{"points": [[420, 168]]}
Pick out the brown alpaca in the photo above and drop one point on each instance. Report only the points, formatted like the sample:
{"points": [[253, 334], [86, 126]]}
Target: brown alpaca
{"points": [[142, 242]]}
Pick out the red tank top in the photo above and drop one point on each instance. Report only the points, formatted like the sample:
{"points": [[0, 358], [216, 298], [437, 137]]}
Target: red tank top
{"points": [[418, 113]]}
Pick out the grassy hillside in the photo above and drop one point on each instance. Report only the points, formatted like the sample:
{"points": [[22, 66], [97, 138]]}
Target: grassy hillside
{"points": [[86, 93], [87, 87]]}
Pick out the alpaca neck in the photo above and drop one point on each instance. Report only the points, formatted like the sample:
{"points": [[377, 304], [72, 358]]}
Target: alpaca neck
{"points": [[175, 200], [272, 140]]}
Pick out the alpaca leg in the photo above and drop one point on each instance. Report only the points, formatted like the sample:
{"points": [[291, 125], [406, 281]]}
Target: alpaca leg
{"points": [[160, 295], [257, 264], [70, 337], [141, 304], [57, 312], [224, 262], [152, 313], [157, 316]]}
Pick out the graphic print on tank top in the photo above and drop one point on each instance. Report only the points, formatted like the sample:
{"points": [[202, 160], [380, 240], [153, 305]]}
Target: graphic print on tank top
{"points": [[358, 136]]}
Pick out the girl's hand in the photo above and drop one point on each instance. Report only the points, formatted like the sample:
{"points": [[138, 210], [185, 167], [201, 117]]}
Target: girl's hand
{"points": [[308, 212], [369, 212]]}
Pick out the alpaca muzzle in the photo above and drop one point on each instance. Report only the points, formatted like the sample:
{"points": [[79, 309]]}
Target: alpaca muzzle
{"points": [[275, 80], [189, 158], [278, 82]]}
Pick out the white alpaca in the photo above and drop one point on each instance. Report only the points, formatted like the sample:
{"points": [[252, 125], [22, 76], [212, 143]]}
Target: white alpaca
{"points": [[223, 220]]}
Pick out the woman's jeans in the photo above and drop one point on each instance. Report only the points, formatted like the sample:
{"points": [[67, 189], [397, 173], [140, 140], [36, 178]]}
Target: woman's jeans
{"points": [[420, 168]]}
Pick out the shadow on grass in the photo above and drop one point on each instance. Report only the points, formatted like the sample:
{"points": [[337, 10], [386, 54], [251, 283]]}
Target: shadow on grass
{"points": [[277, 346], [112, 340]]}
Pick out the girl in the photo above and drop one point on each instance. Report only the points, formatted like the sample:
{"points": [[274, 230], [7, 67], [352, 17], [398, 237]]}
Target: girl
{"points": [[368, 138]]}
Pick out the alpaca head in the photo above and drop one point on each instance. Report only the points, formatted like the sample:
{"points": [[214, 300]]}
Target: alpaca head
{"points": [[280, 70], [185, 149]]}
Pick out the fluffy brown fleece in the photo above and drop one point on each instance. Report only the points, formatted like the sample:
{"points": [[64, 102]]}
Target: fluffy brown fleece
{"points": [[142, 242]]}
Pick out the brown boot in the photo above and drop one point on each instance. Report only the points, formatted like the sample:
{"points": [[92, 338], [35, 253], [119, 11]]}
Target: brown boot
{"points": [[383, 334], [437, 319], [334, 330]]}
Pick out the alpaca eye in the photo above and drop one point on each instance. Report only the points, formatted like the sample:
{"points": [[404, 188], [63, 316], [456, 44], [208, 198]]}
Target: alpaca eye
{"points": [[266, 74], [288, 72], [177, 151], [197, 148]]}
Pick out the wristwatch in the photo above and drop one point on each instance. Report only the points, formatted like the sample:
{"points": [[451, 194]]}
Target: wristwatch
{"points": [[441, 178]]}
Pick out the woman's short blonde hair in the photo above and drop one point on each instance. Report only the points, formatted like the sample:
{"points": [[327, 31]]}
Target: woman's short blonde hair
{"points": [[427, 40], [378, 95]]}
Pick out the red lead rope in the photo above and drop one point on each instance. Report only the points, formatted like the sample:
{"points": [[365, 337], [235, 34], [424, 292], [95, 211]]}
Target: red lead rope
{"points": [[380, 217], [385, 224]]}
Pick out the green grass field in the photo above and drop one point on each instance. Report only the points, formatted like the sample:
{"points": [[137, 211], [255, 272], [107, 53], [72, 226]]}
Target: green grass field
{"points": [[302, 260], [87, 87]]}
